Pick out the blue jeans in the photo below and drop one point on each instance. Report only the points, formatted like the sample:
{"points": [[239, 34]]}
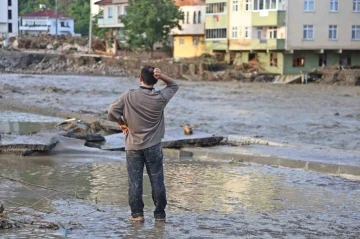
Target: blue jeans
{"points": [[152, 158]]}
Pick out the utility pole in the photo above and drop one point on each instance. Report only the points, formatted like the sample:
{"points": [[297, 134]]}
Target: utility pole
{"points": [[56, 12], [90, 29]]}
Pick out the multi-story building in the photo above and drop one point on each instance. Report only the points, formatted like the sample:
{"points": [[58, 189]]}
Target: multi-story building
{"points": [[45, 21], [321, 33], [8, 18], [110, 11], [286, 37], [189, 42], [217, 27]]}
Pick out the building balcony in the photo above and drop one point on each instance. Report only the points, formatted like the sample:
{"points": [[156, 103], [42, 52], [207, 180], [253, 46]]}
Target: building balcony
{"points": [[189, 29], [268, 18], [216, 44], [109, 22], [34, 28], [268, 44]]}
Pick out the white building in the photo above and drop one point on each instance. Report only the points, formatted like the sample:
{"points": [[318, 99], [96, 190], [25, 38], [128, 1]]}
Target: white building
{"points": [[44, 21], [8, 18]]}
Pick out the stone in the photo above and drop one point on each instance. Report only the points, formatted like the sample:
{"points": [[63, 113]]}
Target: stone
{"points": [[174, 138], [27, 144], [88, 137]]}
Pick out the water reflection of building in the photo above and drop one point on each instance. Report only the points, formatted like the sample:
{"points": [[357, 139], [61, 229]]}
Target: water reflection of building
{"points": [[208, 187], [23, 127]]}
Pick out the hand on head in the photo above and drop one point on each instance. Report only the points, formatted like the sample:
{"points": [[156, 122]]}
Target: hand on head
{"points": [[157, 73]]}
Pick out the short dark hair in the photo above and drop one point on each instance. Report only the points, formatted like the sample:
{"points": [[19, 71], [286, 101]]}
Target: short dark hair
{"points": [[147, 74]]}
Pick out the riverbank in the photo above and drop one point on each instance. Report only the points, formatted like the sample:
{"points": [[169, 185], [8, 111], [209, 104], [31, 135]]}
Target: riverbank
{"points": [[41, 62]]}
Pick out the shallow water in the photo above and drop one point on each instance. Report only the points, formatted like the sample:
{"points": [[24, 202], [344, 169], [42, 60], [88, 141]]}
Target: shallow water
{"points": [[205, 200], [25, 123]]}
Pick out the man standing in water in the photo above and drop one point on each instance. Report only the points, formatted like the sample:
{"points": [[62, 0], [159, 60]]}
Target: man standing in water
{"points": [[140, 115]]}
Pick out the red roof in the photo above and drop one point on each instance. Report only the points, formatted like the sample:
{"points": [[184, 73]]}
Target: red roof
{"points": [[46, 13], [104, 2]]}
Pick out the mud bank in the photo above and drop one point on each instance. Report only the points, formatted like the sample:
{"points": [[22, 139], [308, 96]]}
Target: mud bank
{"points": [[191, 70], [64, 64]]}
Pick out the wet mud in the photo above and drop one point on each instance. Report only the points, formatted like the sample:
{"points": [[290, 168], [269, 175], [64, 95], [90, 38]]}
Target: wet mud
{"points": [[205, 200], [313, 114]]}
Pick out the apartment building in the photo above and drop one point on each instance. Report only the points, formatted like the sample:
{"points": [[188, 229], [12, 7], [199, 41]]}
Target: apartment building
{"points": [[189, 42], [328, 33], [286, 37], [217, 28], [8, 18]]}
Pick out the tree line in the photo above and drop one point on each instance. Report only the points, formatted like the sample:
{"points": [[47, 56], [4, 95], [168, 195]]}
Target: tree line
{"points": [[146, 22]]}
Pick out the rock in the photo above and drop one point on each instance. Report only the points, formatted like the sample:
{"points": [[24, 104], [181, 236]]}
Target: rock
{"points": [[27, 144], [174, 138], [88, 137]]}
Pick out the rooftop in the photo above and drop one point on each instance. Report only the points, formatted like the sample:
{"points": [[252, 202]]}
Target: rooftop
{"points": [[46, 13]]}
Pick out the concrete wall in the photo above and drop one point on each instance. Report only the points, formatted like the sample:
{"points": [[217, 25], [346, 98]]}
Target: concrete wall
{"points": [[321, 18], [264, 59], [188, 49], [312, 60]]}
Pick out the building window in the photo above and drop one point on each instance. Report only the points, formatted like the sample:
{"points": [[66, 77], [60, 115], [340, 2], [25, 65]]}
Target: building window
{"points": [[10, 30], [181, 41], [345, 60], [259, 32], [9, 3], [247, 32], [334, 5], [219, 7], [309, 5], [217, 33], [110, 12], [234, 32], [273, 59], [194, 18], [355, 34], [332, 32], [9, 14], [62, 24], [272, 32], [308, 33], [187, 17], [264, 4], [248, 5], [356, 5], [120, 13], [199, 16], [298, 61], [195, 41], [235, 6], [322, 60]]}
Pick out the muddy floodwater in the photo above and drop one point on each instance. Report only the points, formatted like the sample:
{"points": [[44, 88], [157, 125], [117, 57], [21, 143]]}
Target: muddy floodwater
{"points": [[313, 114], [205, 200]]}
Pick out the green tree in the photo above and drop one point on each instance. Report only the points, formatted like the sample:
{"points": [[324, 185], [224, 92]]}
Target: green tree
{"points": [[150, 21], [80, 11], [26, 6], [96, 31]]}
